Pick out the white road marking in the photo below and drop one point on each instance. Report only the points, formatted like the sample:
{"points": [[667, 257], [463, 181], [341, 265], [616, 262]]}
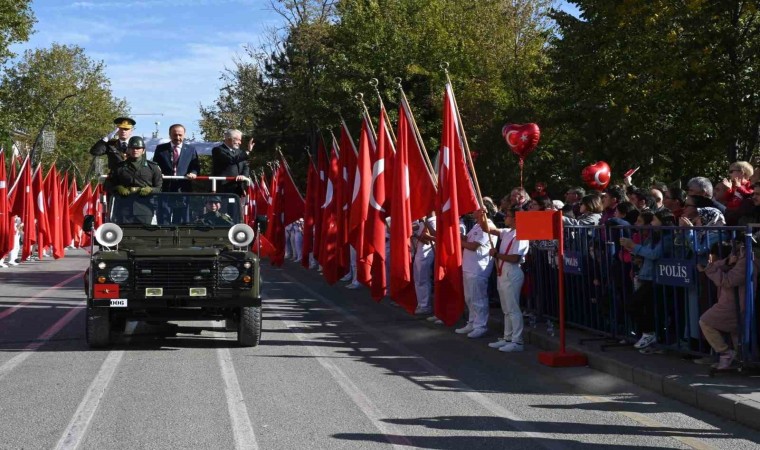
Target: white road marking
{"points": [[79, 424], [518, 423], [392, 434], [12, 310], [242, 429], [27, 351]]}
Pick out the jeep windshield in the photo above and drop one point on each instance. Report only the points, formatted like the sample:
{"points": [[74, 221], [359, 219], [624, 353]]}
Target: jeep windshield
{"points": [[175, 209]]}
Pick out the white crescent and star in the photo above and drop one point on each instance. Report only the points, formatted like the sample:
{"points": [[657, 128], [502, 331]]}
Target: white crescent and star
{"points": [[377, 169]]}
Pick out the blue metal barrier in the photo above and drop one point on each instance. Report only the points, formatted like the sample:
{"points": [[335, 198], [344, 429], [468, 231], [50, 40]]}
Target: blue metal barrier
{"points": [[601, 278]]}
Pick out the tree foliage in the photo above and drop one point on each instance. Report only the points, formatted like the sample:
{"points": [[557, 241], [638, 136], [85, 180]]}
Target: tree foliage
{"points": [[16, 21], [666, 85], [63, 89]]}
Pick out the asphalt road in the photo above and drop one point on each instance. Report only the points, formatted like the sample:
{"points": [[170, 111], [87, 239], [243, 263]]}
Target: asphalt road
{"points": [[334, 370]]}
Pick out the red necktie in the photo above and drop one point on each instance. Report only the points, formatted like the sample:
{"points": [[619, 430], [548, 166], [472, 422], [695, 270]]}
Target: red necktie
{"points": [[176, 158]]}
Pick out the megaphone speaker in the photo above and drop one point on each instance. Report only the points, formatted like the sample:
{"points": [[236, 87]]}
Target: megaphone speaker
{"points": [[109, 234], [240, 235]]}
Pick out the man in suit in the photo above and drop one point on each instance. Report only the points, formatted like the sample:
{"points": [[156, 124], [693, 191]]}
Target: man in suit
{"points": [[177, 158], [229, 160], [114, 146]]}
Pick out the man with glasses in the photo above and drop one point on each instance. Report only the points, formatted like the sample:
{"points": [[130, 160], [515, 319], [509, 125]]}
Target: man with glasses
{"points": [[703, 187]]}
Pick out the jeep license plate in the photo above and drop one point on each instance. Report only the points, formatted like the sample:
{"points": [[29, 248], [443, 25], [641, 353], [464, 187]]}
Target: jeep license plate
{"points": [[118, 303]]}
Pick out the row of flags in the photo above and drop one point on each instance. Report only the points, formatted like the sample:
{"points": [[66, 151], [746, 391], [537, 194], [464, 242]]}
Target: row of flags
{"points": [[354, 193], [50, 209]]}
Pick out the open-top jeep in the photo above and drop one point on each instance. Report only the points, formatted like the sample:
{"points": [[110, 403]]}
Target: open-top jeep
{"points": [[172, 257]]}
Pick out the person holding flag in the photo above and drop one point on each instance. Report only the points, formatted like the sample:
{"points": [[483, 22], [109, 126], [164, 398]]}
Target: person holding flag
{"points": [[508, 257], [476, 266]]}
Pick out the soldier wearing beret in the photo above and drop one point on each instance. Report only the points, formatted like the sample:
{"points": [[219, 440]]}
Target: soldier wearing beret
{"points": [[134, 179], [213, 215], [114, 146]]}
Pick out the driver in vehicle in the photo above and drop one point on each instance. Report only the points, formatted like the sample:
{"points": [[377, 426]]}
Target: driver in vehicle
{"points": [[213, 215]]}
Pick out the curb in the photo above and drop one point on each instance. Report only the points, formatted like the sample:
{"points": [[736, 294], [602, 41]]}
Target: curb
{"points": [[706, 398]]}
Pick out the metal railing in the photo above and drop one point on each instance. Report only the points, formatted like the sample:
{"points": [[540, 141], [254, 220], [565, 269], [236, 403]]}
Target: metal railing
{"points": [[601, 277]]}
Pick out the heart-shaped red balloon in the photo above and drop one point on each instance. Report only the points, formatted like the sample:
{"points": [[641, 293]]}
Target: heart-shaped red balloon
{"points": [[521, 138], [597, 176]]}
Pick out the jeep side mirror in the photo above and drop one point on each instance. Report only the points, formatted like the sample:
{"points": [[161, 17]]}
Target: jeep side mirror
{"points": [[87, 223]]}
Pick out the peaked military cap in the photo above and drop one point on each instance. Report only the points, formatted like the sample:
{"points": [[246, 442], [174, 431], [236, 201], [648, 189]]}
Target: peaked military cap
{"points": [[125, 122]]}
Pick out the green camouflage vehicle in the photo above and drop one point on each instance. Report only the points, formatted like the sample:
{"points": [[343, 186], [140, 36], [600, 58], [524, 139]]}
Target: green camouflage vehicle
{"points": [[172, 257]]}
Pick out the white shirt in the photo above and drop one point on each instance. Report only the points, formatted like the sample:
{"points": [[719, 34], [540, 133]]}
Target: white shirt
{"points": [[422, 246], [510, 245], [478, 262]]}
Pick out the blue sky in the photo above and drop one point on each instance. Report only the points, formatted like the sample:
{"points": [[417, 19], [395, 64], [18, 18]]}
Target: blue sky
{"points": [[163, 56]]}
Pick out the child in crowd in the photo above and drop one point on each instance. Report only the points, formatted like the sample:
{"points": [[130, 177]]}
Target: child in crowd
{"points": [[729, 275]]}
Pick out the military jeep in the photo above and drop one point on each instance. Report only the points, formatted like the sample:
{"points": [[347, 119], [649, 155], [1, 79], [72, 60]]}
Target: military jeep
{"points": [[159, 258]]}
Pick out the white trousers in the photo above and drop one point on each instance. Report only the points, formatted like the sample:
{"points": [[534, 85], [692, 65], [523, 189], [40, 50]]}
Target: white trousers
{"points": [[423, 278], [509, 284], [476, 298]]}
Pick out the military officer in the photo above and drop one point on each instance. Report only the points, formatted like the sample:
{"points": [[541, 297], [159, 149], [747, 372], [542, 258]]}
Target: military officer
{"points": [[213, 215], [135, 175], [114, 146]]}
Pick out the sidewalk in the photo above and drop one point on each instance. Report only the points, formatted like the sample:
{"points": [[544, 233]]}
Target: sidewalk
{"points": [[730, 395]]}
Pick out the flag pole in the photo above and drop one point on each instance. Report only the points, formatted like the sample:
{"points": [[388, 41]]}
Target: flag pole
{"points": [[445, 67], [374, 82], [417, 134], [336, 147], [350, 138], [365, 113]]}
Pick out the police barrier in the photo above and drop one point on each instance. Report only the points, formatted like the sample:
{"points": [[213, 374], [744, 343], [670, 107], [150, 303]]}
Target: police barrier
{"points": [[619, 294]]}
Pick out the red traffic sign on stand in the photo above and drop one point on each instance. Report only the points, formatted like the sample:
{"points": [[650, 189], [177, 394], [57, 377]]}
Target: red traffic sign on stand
{"points": [[548, 225]]}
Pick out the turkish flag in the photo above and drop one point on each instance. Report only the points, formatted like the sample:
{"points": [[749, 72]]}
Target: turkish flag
{"points": [[292, 204], [76, 227], [455, 198], [67, 234], [374, 233], [6, 226], [23, 206], [40, 211], [93, 207], [360, 203], [78, 208], [401, 286], [344, 192], [422, 183], [54, 213], [309, 213], [329, 242], [267, 249], [321, 193], [275, 228]]}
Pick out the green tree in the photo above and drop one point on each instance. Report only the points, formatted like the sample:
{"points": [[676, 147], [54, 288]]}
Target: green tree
{"points": [[16, 21], [67, 92]]}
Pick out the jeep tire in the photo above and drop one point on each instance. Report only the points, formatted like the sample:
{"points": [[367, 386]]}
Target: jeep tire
{"points": [[249, 326], [98, 327]]}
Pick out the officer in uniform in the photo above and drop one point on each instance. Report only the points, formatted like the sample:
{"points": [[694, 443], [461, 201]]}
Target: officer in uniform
{"points": [[114, 146], [133, 180], [213, 215]]}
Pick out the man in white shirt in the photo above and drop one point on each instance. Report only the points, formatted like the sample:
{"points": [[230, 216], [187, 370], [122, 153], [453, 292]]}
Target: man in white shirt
{"points": [[508, 258], [476, 266], [424, 257]]}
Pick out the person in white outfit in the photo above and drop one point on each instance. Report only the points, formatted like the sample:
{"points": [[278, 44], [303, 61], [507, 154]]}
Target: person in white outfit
{"points": [[422, 266], [13, 254], [508, 258], [289, 241], [297, 237], [476, 267]]}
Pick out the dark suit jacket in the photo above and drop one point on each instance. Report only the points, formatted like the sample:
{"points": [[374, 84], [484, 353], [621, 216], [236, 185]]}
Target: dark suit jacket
{"points": [[188, 163], [227, 162]]}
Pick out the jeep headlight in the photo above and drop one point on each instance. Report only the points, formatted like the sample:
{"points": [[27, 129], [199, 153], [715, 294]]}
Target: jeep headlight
{"points": [[119, 274], [230, 273]]}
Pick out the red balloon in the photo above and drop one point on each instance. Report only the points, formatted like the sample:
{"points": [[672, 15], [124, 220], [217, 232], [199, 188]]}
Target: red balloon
{"points": [[521, 138], [597, 176]]}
